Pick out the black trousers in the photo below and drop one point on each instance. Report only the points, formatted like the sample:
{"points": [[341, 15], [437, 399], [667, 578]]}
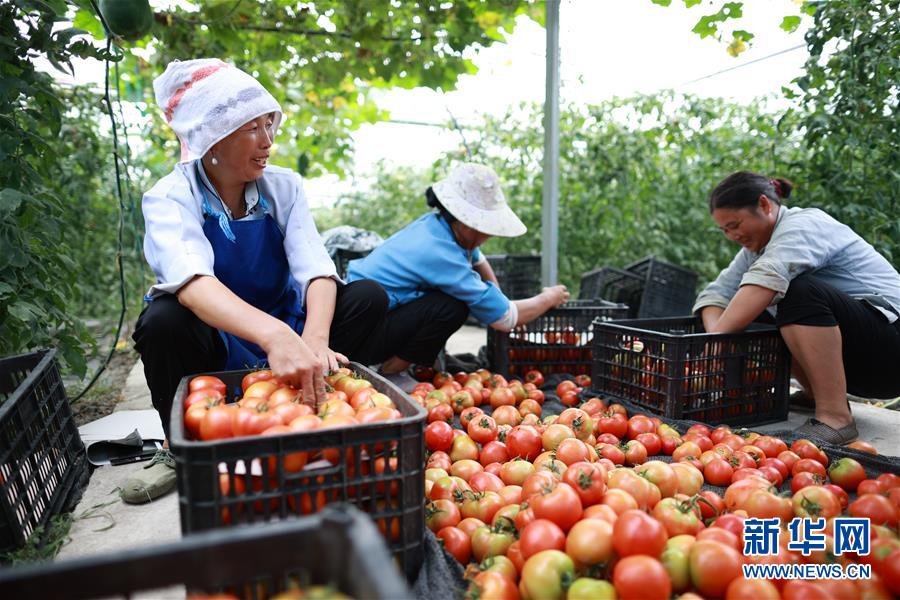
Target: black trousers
{"points": [[416, 332], [174, 343], [870, 345]]}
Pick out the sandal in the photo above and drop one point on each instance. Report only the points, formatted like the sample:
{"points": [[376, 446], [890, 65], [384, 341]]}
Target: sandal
{"points": [[817, 430]]}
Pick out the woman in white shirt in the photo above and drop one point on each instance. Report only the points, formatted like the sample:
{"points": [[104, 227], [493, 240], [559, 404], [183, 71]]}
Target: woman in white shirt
{"points": [[836, 301], [243, 278]]}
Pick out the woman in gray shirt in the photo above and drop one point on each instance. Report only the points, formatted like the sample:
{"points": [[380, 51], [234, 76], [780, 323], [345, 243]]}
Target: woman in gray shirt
{"points": [[835, 300]]}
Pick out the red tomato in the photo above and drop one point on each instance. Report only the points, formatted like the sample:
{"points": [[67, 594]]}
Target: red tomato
{"points": [[560, 505], [863, 447], [876, 507], [815, 501], [216, 423], [805, 479], [457, 543], [839, 493], [636, 532], [541, 534], [535, 377], [491, 584], [718, 472], [711, 504], [641, 577], [483, 429], [771, 446], [253, 377], [809, 465], [207, 382], [438, 436], [651, 441], [713, 567], [524, 442], [441, 513], [846, 473], [210, 396], [588, 481]]}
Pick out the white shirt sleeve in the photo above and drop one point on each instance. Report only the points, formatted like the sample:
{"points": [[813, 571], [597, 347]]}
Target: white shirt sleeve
{"points": [[174, 243], [508, 321], [306, 253]]}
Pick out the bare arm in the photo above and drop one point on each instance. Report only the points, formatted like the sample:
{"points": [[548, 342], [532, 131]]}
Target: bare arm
{"points": [[486, 272], [289, 357], [320, 300], [531, 308], [710, 315], [747, 304]]}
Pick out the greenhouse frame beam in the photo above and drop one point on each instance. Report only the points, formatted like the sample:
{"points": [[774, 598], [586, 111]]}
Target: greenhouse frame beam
{"points": [[550, 205]]}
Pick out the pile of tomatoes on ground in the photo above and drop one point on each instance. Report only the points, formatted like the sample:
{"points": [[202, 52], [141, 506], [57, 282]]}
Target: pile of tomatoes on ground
{"points": [[573, 506], [269, 407]]}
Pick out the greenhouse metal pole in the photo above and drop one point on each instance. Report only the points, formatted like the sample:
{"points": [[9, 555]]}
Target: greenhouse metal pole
{"points": [[550, 207]]}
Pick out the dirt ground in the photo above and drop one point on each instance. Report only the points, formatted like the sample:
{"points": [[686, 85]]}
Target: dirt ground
{"points": [[106, 392]]}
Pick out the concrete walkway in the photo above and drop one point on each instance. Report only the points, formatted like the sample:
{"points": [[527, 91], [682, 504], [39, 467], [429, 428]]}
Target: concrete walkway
{"points": [[103, 523]]}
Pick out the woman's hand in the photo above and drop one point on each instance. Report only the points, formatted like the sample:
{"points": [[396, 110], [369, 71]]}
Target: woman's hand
{"points": [[294, 362], [556, 295], [330, 359]]}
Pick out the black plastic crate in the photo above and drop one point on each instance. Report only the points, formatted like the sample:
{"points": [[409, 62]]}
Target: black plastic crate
{"points": [[616, 285], [669, 290], [556, 342], [519, 276], [382, 472], [43, 466], [670, 367], [339, 547]]}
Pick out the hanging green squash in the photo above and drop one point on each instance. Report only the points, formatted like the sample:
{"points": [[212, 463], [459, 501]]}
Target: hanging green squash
{"points": [[128, 19]]}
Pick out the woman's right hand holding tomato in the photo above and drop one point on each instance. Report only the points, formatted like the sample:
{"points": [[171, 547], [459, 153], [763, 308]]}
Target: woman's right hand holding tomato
{"points": [[294, 362]]}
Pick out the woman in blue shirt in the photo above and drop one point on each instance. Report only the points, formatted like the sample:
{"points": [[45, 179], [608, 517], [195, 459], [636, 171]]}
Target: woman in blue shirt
{"points": [[434, 273], [836, 301]]}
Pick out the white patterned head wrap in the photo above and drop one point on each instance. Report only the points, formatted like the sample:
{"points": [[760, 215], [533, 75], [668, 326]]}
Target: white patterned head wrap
{"points": [[205, 100]]}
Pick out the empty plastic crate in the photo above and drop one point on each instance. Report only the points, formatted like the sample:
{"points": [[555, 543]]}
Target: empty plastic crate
{"points": [[669, 290], [615, 285], [672, 368], [559, 341], [340, 548], [518, 276], [379, 467], [43, 466]]}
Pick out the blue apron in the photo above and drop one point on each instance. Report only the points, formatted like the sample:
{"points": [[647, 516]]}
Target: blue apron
{"points": [[251, 262]]}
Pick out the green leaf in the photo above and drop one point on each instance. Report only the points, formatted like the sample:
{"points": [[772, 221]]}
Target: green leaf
{"points": [[662, 2], [790, 23], [742, 35], [11, 199], [691, 3]]}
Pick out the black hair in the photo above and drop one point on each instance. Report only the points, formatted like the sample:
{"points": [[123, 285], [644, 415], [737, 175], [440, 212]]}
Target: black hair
{"points": [[742, 189], [431, 200]]}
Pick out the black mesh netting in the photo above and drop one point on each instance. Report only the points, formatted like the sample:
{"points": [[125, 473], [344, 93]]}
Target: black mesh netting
{"points": [[442, 576]]}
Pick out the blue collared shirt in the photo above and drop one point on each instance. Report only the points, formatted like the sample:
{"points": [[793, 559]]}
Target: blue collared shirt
{"points": [[425, 256], [809, 240]]}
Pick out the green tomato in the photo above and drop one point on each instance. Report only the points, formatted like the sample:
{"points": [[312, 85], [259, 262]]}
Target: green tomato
{"points": [[585, 588], [546, 575], [678, 566]]}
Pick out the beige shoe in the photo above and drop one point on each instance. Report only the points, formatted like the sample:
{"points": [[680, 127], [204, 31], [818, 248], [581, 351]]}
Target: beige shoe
{"points": [[156, 479]]}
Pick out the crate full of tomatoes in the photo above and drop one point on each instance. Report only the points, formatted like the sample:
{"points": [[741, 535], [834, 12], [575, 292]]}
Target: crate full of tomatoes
{"points": [[247, 450], [559, 341], [671, 367]]}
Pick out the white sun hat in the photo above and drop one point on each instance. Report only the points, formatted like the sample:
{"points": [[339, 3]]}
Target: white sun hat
{"points": [[472, 194], [205, 100]]}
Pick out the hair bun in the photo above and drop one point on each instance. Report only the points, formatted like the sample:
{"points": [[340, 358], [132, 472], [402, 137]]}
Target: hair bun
{"points": [[783, 187]]}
